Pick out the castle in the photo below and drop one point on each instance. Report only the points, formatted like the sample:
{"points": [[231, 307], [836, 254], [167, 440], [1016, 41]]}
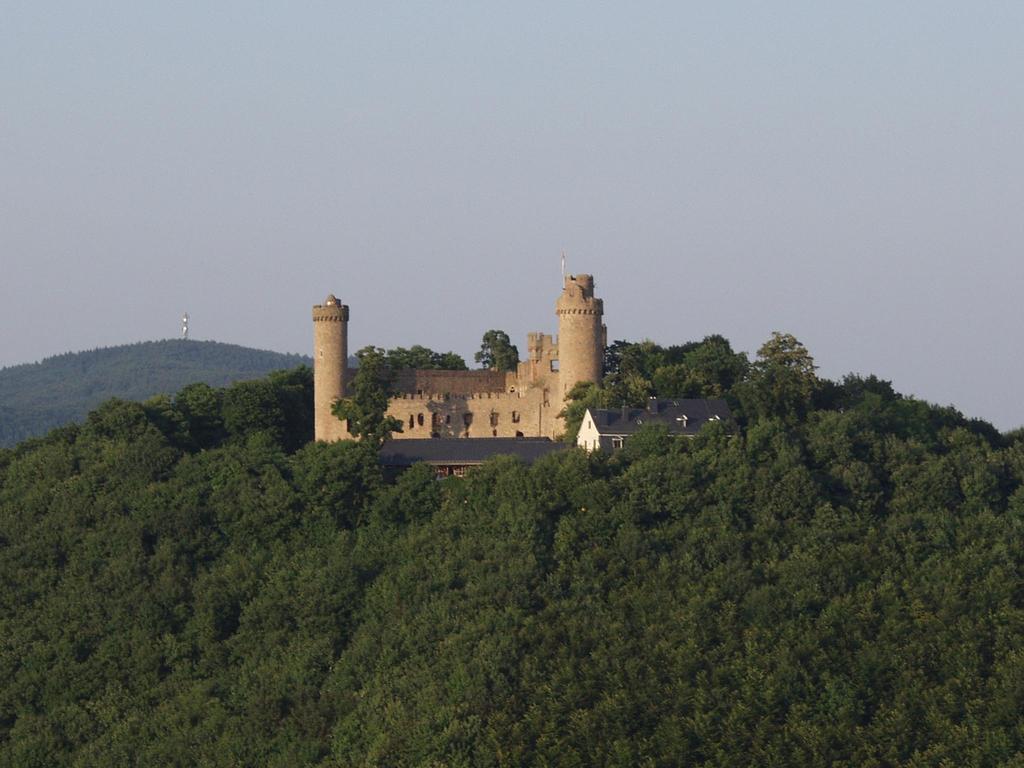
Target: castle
{"points": [[488, 403]]}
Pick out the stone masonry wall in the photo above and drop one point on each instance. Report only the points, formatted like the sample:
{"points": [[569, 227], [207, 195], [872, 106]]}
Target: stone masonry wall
{"points": [[531, 413], [330, 356], [452, 382]]}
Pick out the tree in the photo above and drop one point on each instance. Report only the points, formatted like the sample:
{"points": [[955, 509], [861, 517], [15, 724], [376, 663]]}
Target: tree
{"points": [[841, 588], [252, 406], [583, 395], [785, 350], [782, 382], [200, 404], [450, 361], [366, 407], [642, 358], [418, 356], [497, 352], [714, 367]]}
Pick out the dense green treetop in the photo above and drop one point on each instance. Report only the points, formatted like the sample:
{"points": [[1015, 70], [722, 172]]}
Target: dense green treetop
{"points": [[497, 352], [421, 357], [365, 407], [836, 581]]}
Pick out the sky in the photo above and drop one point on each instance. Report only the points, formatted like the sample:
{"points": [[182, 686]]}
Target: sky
{"points": [[850, 173]]}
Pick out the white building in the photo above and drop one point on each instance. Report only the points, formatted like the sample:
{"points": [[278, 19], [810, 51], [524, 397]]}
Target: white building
{"points": [[609, 428]]}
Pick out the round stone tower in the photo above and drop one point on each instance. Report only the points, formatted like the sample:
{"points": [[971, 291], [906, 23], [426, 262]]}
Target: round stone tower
{"points": [[330, 367], [580, 333]]}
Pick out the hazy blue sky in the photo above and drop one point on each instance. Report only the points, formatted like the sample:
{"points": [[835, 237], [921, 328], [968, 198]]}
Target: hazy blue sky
{"points": [[852, 173]]}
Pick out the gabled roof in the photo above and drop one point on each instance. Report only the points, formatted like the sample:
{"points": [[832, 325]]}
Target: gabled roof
{"points": [[681, 416], [464, 451]]}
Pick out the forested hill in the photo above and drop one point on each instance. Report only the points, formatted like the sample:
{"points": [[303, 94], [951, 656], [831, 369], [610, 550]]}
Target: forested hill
{"points": [[37, 397], [838, 580]]}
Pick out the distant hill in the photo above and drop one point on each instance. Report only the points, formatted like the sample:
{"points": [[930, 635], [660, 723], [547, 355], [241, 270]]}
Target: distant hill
{"points": [[36, 397]]}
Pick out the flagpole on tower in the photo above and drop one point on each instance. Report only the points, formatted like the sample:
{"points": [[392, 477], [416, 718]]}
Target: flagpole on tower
{"points": [[563, 266]]}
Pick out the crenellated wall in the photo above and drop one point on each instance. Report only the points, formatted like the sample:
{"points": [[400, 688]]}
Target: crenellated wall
{"points": [[530, 413], [452, 382]]}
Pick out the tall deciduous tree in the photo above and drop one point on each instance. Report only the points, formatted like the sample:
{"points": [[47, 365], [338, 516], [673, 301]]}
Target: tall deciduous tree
{"points": [[583, 395], [497, 352], [782, 381], [366, 407]]}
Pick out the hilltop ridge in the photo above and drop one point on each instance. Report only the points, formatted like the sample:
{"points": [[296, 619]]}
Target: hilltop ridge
{"points": [[37, 397], [834, 581]]}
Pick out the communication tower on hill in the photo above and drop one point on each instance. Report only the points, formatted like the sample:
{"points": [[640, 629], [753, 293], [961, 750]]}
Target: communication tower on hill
{"points": [[184, 327]]}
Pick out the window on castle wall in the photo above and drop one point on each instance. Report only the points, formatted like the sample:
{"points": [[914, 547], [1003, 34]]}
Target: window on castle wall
{"points": [[419, 419], [515, 417], [412, 422], [554, 366], [447, 418], [494, 433], [467, 419], [494, 419], [435, 419]]}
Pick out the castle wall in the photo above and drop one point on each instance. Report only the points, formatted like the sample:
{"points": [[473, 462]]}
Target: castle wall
{"points": [[483, 403], [531, 413], [452, 382], [524, 403], [541, 364]]}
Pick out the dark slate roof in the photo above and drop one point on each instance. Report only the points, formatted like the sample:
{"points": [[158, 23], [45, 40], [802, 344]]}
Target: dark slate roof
{"points": [[670, 413], [464, 451]]}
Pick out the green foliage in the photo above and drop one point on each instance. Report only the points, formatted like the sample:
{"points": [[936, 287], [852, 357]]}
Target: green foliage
{"points": [[582, 396], [201, 406], [423, 358], [189, 581], [636, 371], [365, 409], [782, 383], [497, 352], [37, 397]]}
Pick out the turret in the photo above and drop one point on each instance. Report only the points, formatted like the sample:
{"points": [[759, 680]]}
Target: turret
{"points": [[330, 367], [580, 333]]}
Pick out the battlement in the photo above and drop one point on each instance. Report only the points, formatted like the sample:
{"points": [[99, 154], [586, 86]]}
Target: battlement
{"points": [[421, 380], [539, 345], [583, 283], [329, 312], [578, 297], [447, 397], [596, 309]]}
